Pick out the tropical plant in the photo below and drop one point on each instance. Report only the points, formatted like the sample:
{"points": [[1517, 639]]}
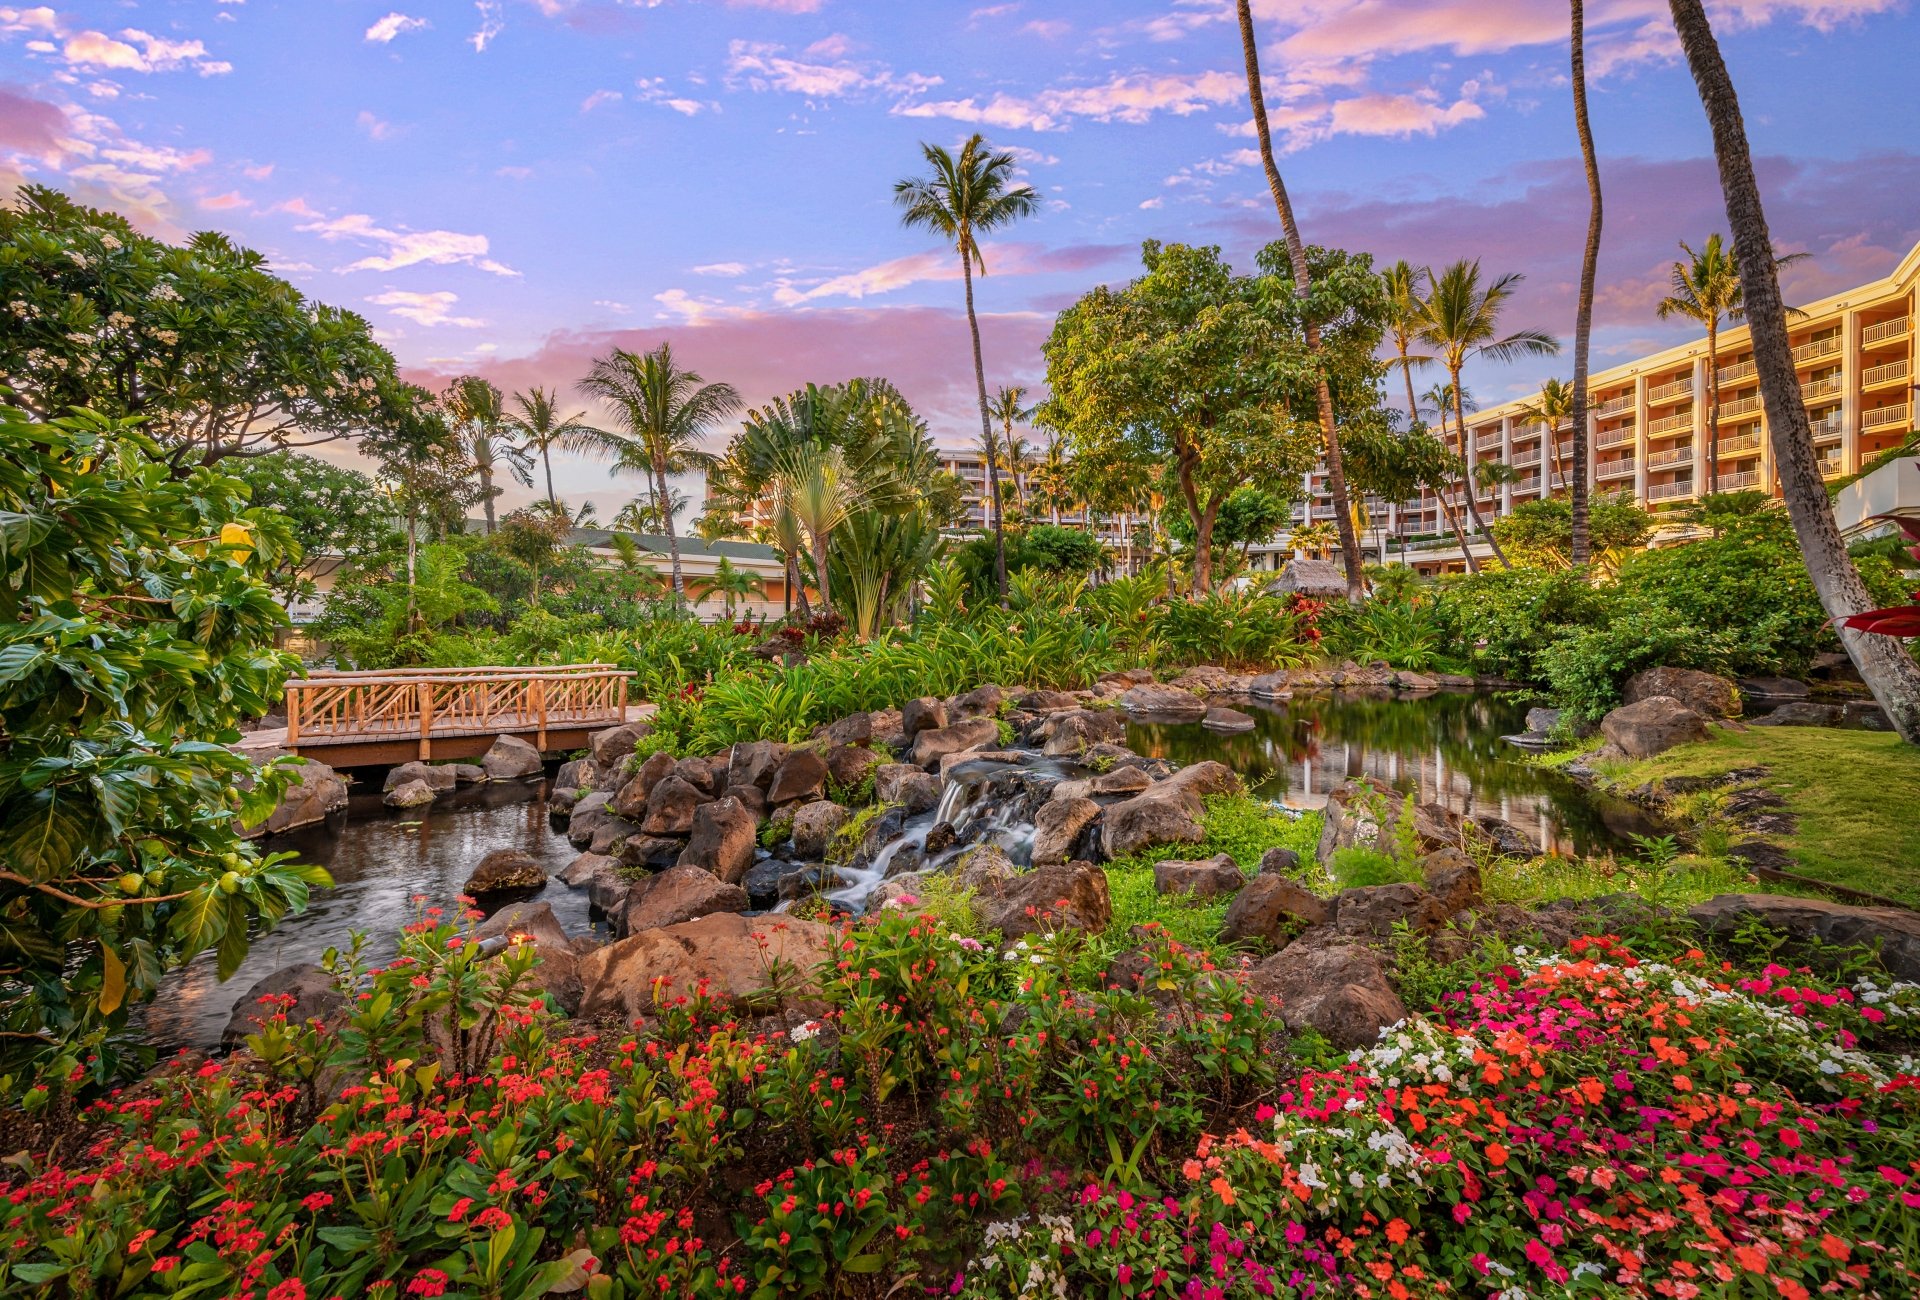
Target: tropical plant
{"points": [[335, 514], [541, 429], [650, 515], [962, 199], [1461, 321], [1316, 539], [1553, 408], [1583, 310], [475, 413], [728, 581], [1541, 532], [1884, 664], [664, 412]]}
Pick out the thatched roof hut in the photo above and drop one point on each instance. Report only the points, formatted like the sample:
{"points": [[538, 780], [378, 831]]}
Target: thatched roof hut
{"points": [[1320, 579]]}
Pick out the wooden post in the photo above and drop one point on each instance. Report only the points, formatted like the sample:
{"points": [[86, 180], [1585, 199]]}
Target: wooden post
{"points": [[423, 693], [293, 715], [621, 721], [540, 706]]}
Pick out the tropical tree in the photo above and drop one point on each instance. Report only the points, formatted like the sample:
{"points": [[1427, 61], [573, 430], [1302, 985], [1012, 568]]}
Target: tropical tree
{"points": [[1303, 285], [1884, 663], [541, 428], [478, 419], [1553, 408], [1405, 307], [335, 514], [730, 582], [1583, 312], [1315, 539], [1052, 480], [648, 515], [964, 198], [1461, 321], [664, 412]]}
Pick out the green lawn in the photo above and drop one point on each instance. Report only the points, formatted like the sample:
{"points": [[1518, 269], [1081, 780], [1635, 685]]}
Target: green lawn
{"points": [[1856, 794]]}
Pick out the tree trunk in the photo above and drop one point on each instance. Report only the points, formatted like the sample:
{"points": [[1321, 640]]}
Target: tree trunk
{"points": [[986, 426], [486, 496], [1467, 456], [1884, 664], [820, 571], [1582, 544], [664, 507], [546, 462], [1713, 404], [1448, 513], [1303, 283]]}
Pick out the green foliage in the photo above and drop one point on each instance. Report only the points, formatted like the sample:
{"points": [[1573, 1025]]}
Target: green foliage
{"points": [[1250, 517], [1586, 667], [1540, 532], [1353, 867], [1041, 548], [1416, 633], [331, 511], [1508, 617], [1234, 629], [1242, 826], [142, 634]]}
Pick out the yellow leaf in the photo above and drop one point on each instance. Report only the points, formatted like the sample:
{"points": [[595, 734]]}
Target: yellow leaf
{"points": [[239, 538], [113, 982]]}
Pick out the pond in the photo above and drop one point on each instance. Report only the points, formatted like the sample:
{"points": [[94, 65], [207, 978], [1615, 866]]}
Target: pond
{"points": [[1443, 748], [380, 859]]}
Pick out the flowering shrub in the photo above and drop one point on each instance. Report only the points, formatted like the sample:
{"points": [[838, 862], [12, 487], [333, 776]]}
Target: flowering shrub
{"points": [[1042, 1118]]}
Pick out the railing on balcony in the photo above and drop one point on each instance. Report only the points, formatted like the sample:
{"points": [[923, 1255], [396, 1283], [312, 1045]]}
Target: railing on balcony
{"points": [[1830, 467], [1614, 438], [1827, 386], [1740, 406], [1877, 375], [1829, 430], [1678, 456], [1885, 416], [1745, 478], [1734, 373], [1526, 458], [1671, 424], [1527, 483], [1667, 392], [1734, 446], [1618, 467], [1613, 406], [1810, 352], [1670, 491], [1884, 330]]}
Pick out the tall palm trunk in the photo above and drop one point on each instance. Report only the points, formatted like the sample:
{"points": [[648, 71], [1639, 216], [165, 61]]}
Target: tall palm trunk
{"points": [[1713, 404], [819, 541], [1303, 283], [663, 506], [1468, 453], [986, 429], [1884, 664], [486, 495], [546, 463], [1447, 511], [1583, 314]]}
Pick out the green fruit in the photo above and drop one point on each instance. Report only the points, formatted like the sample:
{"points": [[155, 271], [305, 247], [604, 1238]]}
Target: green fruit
{"points": [[131, 882], [156, 877], [230, 883]]}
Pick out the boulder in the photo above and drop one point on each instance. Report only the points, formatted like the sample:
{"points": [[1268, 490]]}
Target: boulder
{"points": [[1214, 877], [753, 763], [412, 794], [1204, 778], [315, 794], [1057, 826], [1079, 730], [312, 991], [980, 702], [1149, 819], [1895, 930], [437, 776], [894, 891], [1707, 694], [940, 837], [1270, 908], [762, 883], [930, 745], [810, 881], [1542, 720], [723, 839], [1067, 895], [1652, 725], [1369, 814], [854, 729], [558, 970], [1125, 677], [650, 852], [1373, 910], [922, 714], [1774, 688], [504, 870], [1452, 879], [1227, 721], [1802, 713], [802, 774], [610, 834], [631, 799], [1507, 839], [732, 954], [679, 894], [607, 893], [511, 759], [698, 773], [1280, 862], [576, 774], [581, 871], [906, 785], [753, 799], [1048, 701], [1271, 686], [848, 765], [670, 806], [1335, 986], [948, 762], [985, 868], [469, 773], [586, 817], [614, 744], [814, 826], [1121, 780], [1163, 703]]}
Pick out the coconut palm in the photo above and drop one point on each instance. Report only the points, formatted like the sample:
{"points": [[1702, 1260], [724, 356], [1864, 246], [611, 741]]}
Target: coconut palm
{"points": [[1461, 321], [1553, 408], [664, 411], [1009, 408], [1884, 664], [473, 408], [1303, 284], [648, 515], [1315, 539], [1404, 284], [966, 197], [730, 582], [541, 428], [1589, 268], [1051, 479]]}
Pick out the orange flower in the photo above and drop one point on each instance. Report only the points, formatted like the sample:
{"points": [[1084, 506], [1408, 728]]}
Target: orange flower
{"points": [[1751, 1258], [1496, 1154], [1191, 1169], [1223, 1189], [1397, 1231], [1835, 1247]]}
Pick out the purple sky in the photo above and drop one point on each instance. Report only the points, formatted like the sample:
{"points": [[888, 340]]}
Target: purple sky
{"points": [[511, 187]]}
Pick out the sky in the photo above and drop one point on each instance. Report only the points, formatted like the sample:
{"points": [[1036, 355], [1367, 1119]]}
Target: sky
{"points": [[512, 187]]}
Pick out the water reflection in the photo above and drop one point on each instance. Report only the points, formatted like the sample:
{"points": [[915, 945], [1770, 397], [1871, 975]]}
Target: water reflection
{"points": [[1443, 748], [380, 859]]}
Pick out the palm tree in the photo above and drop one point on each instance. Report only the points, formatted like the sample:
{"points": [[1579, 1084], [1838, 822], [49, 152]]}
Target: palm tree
{"points": [[1439, 399], [1051, 478], [665, 411], [648, 514], [1314, 539], [1589, 268], [821, 490], [1553, 408], [473, 407], [542, 428], [964, 198], [1461, 321], [1404, 308], [1706, 288], [1884, 664], [1303, 285], [731, 582]]}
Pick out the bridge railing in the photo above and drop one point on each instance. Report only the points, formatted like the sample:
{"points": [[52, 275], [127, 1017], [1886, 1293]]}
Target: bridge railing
{"points": [[346, 708]]}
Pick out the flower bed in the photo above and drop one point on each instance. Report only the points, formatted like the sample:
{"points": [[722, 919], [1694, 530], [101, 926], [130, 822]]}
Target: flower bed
{"points": [[1048, 1118]]}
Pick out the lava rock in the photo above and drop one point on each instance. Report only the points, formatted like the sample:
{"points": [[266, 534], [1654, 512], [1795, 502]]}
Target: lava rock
{"points": [[611, 835], [922, 714], [511, 759], [931, 745], [1335, 986], [314, 998], [809, 881], [436, 776], [1280, 862], [980, 702], [650, 852], [762, 882], [1707, 694], [854, 729], [670, 806], [801, 775], [315, 794], [1057, 826], [731, 954], [1163, 703], [1214, 877], [1373, 910], [1507, 839], [1802, 713], [723, 839], [504, 870], [1071, 895], [814, 826], [630, 801], [1894, 930], [679, 894], [1227, 721], [1355, 812], [848, 765], [614, 744], [1452, 879], [906, 785], [698, 773], [1652, 725], [754, 763], [576, 774], [558, 970], [1271, 907], [581, 871], [411, 794], [587, 816]]}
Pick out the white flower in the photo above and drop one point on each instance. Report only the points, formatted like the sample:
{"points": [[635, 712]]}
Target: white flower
{"points": [[801, 1033]]}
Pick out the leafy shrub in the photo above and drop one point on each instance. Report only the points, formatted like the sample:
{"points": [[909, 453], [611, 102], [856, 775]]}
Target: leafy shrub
{"points": [[1234, 629], [1506, 618], [1415, 633], [1353, 867]]}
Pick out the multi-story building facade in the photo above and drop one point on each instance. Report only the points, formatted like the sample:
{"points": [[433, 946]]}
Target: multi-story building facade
{"points": [[971, 469], [1648, 433]]}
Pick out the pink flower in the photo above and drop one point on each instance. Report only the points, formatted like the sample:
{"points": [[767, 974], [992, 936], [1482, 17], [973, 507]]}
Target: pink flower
{"points": [[1462, 1212]]}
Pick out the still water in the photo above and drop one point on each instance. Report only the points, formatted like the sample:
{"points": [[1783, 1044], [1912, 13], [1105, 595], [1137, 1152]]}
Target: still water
{"points": [[381, 859], [1443, 748]]}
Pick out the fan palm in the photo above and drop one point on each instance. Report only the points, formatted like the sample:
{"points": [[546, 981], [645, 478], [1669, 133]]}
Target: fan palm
{"points": [[966, 197], [664, 412], [474, 409], [1460, 321], [822, 491], [542, 428]]}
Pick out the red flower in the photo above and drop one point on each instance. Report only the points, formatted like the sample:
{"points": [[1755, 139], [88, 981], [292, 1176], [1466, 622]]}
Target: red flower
{"points": [[428, 1282], [291, 1289]]}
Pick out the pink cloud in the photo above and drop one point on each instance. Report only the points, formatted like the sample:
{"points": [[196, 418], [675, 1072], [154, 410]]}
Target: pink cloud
{"points": [[32, 126], [225, 202], [1130, 97], [917, 268]]}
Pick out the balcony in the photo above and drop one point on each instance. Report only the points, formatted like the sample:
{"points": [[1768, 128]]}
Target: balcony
{"points": [[1830, 466], [1670, 491], [1529, 483], [1613, 438], [1526, 458], [1808, 353], [1891, 373], [1613, 406], [1825, 388], [1618, 467], [1886, 417], [1680, 423], [1884, 330], [1734, 482], [1678, 456], [1736, 372], [1740, 406], [1831, 429], [1735, 446], [1670, 392]]}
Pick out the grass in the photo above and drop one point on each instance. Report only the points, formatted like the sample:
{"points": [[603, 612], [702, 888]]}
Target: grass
{"points": [[1239, 825], [1852, 791]]}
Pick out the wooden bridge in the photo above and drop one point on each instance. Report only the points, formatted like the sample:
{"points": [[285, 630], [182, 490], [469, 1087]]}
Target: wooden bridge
{"points": [[381, 718]]}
